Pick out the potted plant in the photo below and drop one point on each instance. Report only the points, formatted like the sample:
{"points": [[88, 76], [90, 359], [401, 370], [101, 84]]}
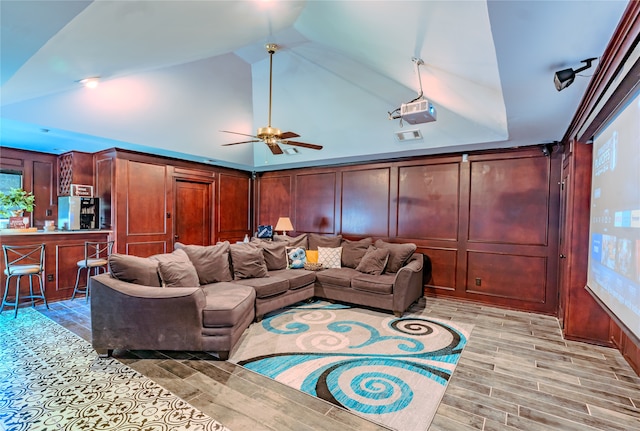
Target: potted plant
{"points": [[16, 202]]}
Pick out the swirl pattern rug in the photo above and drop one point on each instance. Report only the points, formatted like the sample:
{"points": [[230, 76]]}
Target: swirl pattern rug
{"points": [[50, 379], [392, 371]]}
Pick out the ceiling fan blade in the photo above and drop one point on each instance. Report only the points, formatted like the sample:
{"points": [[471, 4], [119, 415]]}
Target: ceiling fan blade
{"points": [[237, 133], [275, 149], [302, 144], [287, 135], [242, 142]]}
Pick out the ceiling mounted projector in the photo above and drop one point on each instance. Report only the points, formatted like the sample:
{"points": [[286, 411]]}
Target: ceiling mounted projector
{"points": [[418, 112]]}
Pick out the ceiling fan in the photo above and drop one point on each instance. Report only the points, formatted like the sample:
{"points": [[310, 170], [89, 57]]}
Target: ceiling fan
{"points": [[270, 135]]}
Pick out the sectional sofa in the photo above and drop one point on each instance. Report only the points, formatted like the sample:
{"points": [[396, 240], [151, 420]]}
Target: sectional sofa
{"points": [[202, 298]]}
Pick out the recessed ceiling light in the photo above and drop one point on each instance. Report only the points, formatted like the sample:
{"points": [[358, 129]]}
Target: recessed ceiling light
{"points": [[90, 82]]}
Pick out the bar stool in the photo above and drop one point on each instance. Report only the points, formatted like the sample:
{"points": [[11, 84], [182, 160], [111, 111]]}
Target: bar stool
{"points": [[96, 255], [23, 260]]}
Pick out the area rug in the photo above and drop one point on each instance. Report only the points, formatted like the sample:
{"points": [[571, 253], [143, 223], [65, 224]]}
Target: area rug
{"points": [[50, 379], [392, 371]]}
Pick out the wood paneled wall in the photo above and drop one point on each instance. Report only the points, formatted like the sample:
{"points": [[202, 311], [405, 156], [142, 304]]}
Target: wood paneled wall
{"points": [[489, 225]]}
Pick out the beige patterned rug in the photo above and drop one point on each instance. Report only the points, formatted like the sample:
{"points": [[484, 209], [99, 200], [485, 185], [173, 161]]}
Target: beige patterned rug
{"points": [[50, 379], [393, 371]]}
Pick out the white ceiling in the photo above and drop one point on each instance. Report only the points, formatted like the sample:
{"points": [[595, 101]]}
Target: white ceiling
{"points": [[176, 73]]}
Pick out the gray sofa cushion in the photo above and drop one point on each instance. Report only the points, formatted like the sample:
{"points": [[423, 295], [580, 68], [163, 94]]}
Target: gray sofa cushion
{"points": [[380, 284], [266, 286], [175, 273], [337, 276], [317, 240], [211, 262], [296, 241], [226, 304], [274, 252], [398, 254], [177, 255], [134, 269], [247, 261], [353, 251], [297, 277], [374, 261]]}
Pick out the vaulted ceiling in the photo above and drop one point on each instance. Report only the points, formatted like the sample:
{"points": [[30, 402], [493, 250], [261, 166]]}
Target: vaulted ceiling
{"points": [[176, 73]]}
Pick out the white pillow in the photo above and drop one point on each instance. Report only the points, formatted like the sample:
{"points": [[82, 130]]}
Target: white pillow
{"points": [[330, 257]]}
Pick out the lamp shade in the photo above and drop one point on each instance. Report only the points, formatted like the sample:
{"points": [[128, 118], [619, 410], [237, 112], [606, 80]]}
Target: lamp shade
{"points": [[284, 224]]}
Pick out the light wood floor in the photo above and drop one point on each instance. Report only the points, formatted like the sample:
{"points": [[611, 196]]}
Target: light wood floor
{"points": [[516, 373]]}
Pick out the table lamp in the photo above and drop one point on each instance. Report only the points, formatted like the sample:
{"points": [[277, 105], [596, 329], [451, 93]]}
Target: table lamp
{"points": [[284, 224]]}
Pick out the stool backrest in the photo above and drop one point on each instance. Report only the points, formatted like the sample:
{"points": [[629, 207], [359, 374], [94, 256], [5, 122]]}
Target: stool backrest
{"points": [[17, 255], [97, 249]]}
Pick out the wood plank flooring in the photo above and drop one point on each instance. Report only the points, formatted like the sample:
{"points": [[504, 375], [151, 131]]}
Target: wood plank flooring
{"points": [[516, 373]]}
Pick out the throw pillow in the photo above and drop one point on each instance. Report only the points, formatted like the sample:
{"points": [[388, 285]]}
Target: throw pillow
{"points": [[398, 254], [211, 262], [353, 251], [312, 256], [248, 261], [297, 257], [134, 269], [275, 254], [174, 273], [177, 255], [330, 257], [317, 240], [296, 241], [374, 261]]}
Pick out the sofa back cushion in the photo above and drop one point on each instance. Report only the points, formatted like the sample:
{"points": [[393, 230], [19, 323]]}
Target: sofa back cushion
{"points": [[374, 261], [134, 269], [398, 254], [295, 241], [175, 273], [211, 261], [317, 240], [353, 251], [247, 261], [274, 252]]}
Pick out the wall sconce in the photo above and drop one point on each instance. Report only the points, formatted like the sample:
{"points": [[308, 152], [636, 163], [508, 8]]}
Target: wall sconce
{"points": [[564, 78], [284, 224]]}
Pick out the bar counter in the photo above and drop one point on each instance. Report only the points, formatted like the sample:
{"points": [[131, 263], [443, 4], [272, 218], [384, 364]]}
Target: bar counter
{"points": [[63, 249]]}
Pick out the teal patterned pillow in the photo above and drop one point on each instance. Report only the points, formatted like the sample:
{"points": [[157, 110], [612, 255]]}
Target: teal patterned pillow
{"points": [[296, 257], [330, 257]]}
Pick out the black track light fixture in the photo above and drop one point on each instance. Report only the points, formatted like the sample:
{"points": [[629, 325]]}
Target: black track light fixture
{"points": [[564, 78]]}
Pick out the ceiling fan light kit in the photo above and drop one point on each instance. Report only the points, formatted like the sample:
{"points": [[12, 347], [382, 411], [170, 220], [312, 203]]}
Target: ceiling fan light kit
{"points": [[272, 136]]}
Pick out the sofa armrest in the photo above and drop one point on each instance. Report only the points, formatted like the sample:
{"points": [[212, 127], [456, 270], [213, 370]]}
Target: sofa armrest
{"points": [[129, 316], [408, 285]]}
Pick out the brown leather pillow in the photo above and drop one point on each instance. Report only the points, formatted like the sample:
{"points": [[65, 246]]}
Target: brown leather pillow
{"points": [[211, 262], [374, 261], [353, 251], [398, 254]]}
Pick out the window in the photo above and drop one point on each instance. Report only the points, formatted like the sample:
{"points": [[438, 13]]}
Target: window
{"points": [[9, 180]]}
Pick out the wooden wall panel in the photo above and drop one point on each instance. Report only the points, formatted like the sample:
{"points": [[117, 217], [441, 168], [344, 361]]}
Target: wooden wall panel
{"points": [[443, 268], [365, 202], [274, 199], [43, 179], [315, 202], [234, 195], [428, 199], [146, 248], [509, 201], [146, 198], [507, 276], [103, 191]]}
